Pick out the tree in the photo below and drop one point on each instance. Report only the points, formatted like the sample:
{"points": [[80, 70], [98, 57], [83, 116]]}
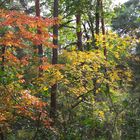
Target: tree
{"points": [[98, 6], [21, 31], [127, 18], [79, 32], [126, 22], [54, 61]]}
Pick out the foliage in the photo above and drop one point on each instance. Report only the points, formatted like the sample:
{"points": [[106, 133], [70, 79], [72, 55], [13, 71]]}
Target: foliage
{"points": [[87, 103], [127, 21], [19, 35], [127, 18], [97, 88]]}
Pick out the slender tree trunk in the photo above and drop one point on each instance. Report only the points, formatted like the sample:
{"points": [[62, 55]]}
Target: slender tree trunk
{"points": [[37, 8], [40, 48], [97, 17], [90, 23], [105, 54], [103, 27], [79, 32], [97, 31], [54, 61]]}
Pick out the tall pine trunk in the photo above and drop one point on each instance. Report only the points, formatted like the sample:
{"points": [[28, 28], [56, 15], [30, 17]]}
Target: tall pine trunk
{"points": [[54, 61]]}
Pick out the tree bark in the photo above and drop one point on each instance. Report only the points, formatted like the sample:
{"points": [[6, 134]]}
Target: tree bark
{"points": [[54, 61], [37, 8], [90, 23], [97, 17], [79, 32], [103, 27], [40, 48]]}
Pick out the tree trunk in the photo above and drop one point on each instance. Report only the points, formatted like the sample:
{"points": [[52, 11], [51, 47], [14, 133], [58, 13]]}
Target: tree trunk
{"points": [[54, 61], [90, 23], [97, 17], [103, 27], [79, 32], [37, 8], [40, 48]]}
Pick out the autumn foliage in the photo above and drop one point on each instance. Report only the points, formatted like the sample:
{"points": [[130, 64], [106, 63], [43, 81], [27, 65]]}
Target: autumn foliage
{"points": [[64, 80], [19, 34]]}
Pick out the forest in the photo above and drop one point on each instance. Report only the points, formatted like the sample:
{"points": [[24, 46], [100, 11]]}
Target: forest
{"points": [[69, 70]]}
